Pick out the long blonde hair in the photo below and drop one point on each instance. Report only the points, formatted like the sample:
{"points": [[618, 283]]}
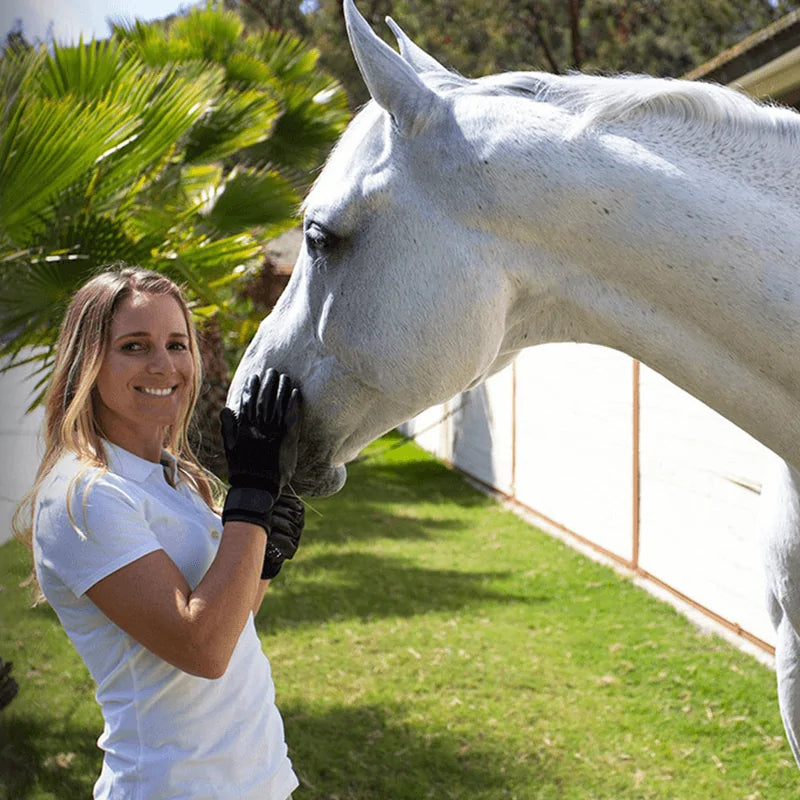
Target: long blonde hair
{"points": [[70, 424]]}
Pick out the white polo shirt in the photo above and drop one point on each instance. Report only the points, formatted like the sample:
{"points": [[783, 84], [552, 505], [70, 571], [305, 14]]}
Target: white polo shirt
{"points": [[168, 735]]}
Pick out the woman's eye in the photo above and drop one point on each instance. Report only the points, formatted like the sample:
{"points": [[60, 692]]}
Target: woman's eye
{"points": [[178, 346], [132, 347]]}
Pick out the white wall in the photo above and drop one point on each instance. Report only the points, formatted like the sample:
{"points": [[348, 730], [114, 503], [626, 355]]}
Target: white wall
{"points": [[555, 431], [700, 486], [19, 443]]}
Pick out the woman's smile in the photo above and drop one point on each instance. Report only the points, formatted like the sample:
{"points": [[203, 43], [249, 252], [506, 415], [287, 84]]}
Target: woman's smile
{"points": [[147, 374], [156, 392]]}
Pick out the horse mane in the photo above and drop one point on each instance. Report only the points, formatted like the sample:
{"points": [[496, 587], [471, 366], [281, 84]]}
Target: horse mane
{"points": [[598, 100]]}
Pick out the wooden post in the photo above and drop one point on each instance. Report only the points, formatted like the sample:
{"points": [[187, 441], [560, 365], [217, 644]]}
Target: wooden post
{"points": [[636, 477]]}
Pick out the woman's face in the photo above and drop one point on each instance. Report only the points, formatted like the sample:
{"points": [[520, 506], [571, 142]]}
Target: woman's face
{"points": [[146, 375]]}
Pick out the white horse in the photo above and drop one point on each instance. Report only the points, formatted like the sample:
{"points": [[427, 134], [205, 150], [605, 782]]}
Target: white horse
{"points": [[458, 221]]}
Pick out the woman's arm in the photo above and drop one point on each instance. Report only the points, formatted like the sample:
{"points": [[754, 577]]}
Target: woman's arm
{"points": [[260, 592], [195, 631], [151, 600]]}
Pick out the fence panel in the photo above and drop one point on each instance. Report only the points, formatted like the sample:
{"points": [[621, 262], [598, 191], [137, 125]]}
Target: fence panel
{"points": [[575, 439], [700, 487], [482, 431], [617, 455]]}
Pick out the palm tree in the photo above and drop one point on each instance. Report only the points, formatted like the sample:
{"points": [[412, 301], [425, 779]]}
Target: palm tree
{"points": [[182, 146]]}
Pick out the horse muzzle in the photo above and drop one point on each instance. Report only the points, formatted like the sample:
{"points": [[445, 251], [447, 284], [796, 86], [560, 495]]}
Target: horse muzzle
{"points": [[318, 480]]}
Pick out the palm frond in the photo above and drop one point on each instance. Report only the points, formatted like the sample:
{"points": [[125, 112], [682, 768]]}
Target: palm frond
{"points": [[47, 145], [289, 58], [148, 41], [238, 120], [210, 33], [174, 104], [314, 114], [247, 70], [35, 291], [204, 260], [85, 71], [252, 199], [169, 146], [18, 70]]}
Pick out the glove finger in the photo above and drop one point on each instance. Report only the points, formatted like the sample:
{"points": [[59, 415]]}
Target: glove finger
{"points": [[290, 501], [288, 518], [296, 512], [288, 534], [273, 554], [293, 410], [249, 406], [286, 509], [229, 425], [266, 400], [286, 545], [279, 524], [284, 396]]}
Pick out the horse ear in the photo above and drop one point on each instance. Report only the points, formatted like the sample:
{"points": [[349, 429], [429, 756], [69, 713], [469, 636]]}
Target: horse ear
{"points": [[392, 82], [413, 53]]}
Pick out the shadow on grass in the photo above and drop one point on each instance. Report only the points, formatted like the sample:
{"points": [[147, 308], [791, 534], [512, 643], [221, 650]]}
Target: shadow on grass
{"points": [[393, 501], [365, 753], [420, 479], [361, 520], [366, 586], [28, 766]]}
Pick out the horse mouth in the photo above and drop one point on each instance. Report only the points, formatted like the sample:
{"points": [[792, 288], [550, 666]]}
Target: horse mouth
{"points": [[318, 480]]}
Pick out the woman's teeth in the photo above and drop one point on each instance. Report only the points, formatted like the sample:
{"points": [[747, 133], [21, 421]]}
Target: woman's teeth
{"points": [[156, 392]]}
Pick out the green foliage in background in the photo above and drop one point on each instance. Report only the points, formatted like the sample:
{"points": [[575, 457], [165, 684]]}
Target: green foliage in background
{"points": [[659, 37], [182, 146]]}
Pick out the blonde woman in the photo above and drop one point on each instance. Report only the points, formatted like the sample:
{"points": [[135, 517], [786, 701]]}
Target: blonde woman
{"points": [[155, 590]]}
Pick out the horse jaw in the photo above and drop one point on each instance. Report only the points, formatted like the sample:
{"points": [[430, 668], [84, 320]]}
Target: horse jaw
{"points": [[392, 82]]}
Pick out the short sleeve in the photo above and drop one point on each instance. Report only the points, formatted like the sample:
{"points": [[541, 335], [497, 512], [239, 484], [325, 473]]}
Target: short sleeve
{"points": [[107, 529]]}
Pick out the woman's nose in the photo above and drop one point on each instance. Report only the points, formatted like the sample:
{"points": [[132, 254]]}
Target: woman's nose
{"points": [[160, 360]]}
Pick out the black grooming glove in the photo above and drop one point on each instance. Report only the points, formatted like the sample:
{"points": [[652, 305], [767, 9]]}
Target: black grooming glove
{"points": [[261, 447], [288, 519]]}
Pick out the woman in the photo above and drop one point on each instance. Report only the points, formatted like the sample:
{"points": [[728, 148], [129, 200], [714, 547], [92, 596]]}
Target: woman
{"points": [[156, 592]]}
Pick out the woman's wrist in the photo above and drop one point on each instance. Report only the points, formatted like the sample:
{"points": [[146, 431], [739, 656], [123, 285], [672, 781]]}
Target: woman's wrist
{"points": [[246, 504], [243, 527]]}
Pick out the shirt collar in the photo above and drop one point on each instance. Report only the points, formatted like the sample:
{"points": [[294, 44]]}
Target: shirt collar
{"points": [[124, 463]]}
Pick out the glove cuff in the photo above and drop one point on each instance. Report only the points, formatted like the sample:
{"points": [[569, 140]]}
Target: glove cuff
{"points": [[244, 504], [261, 483]]}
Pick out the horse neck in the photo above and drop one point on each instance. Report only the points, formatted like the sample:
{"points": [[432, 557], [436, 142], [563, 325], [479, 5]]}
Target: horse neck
{"points": [[685, 261]]}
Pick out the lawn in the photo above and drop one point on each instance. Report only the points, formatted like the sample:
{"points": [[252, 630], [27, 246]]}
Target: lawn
{"points": [[427, 643]]}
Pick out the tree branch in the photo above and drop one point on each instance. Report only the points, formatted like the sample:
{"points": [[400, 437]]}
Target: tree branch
{"points": [[543, 43], [574, 13]]}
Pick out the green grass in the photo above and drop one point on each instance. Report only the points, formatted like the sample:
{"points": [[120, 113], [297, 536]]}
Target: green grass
{"points": [[427, 643]]}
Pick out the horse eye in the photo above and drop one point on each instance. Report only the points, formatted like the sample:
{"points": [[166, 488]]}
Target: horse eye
{"points": [[318, 238]]}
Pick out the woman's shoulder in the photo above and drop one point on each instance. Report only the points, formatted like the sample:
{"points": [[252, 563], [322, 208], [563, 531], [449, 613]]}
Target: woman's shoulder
{"points": [[79, 500], [70, 468], [75, 479]]}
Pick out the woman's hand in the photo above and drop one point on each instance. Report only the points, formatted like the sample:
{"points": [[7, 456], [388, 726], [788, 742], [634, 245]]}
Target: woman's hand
{"points": [[288, 520], [261, 447]]}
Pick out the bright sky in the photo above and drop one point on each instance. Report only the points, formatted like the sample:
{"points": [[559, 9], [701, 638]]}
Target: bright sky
{"points": [[70, 18]]}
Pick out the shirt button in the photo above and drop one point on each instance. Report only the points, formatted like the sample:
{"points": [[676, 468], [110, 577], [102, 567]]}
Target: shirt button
{"points": [[215, 534]]}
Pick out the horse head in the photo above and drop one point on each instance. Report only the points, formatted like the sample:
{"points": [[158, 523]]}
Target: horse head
{"points": [[390, 307]]}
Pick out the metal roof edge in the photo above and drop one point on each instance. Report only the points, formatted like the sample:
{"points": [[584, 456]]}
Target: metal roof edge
{"points": [[752, 53]]}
